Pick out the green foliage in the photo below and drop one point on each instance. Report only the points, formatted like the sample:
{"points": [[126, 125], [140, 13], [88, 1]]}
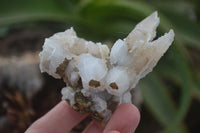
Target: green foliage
{"points": [[112, 19]]}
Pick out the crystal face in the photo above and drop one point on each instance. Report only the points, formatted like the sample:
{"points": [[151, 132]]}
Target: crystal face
{"points": [[98, 79]]}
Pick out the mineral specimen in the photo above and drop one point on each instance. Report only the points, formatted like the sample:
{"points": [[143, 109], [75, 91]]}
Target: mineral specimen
{"points": [[97, 79]]}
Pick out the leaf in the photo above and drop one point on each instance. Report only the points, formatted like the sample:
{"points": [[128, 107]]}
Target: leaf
{"points": [[182, 18], [101, 16], [197, 7], [196, 86], [157, 98], [32, 10], [177, 69]]}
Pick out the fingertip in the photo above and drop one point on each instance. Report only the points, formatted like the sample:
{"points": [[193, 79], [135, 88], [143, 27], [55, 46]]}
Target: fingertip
{"points": [[130, 111], [93, 127], [125, 119]]}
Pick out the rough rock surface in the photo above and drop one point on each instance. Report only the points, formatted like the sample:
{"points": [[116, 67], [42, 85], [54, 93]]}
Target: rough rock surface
{"points": [[98, 79]]}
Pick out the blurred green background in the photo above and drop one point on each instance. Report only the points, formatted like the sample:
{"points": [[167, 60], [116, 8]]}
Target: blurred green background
{"points": [[171, 93]]}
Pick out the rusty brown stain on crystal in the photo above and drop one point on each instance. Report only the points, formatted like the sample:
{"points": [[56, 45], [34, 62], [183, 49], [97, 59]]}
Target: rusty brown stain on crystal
{"points": [[97, 116], [82, 101], [111, 104], [80, 85], [94, 83], [60, 70], [68, 101], [83, 104], [76, 107], [114, 86]]}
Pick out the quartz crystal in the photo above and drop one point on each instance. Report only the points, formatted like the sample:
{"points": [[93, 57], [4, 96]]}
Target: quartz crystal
{"points": [[98, 79]]}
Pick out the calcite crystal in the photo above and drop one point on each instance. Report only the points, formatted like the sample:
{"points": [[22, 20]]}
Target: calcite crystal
{"points": [[97, 79]]}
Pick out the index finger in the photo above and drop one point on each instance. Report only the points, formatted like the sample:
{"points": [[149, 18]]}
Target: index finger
{"points": [[60, 119]]}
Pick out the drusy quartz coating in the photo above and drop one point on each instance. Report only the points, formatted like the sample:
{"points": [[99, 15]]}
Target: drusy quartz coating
{"points": [[98, 79]]}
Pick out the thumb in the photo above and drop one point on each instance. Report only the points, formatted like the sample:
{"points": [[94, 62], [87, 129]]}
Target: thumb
{"points": [[125, 119]]}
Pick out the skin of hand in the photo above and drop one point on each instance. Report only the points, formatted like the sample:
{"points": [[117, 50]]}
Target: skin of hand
{"points": [[61, 119]]}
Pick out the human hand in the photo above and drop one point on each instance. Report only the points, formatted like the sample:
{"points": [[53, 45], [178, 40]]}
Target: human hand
{"points": [[61, 119]]}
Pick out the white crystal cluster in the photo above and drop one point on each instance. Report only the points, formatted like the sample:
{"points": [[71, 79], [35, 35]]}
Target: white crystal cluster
{"points": [[98, 79]]}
